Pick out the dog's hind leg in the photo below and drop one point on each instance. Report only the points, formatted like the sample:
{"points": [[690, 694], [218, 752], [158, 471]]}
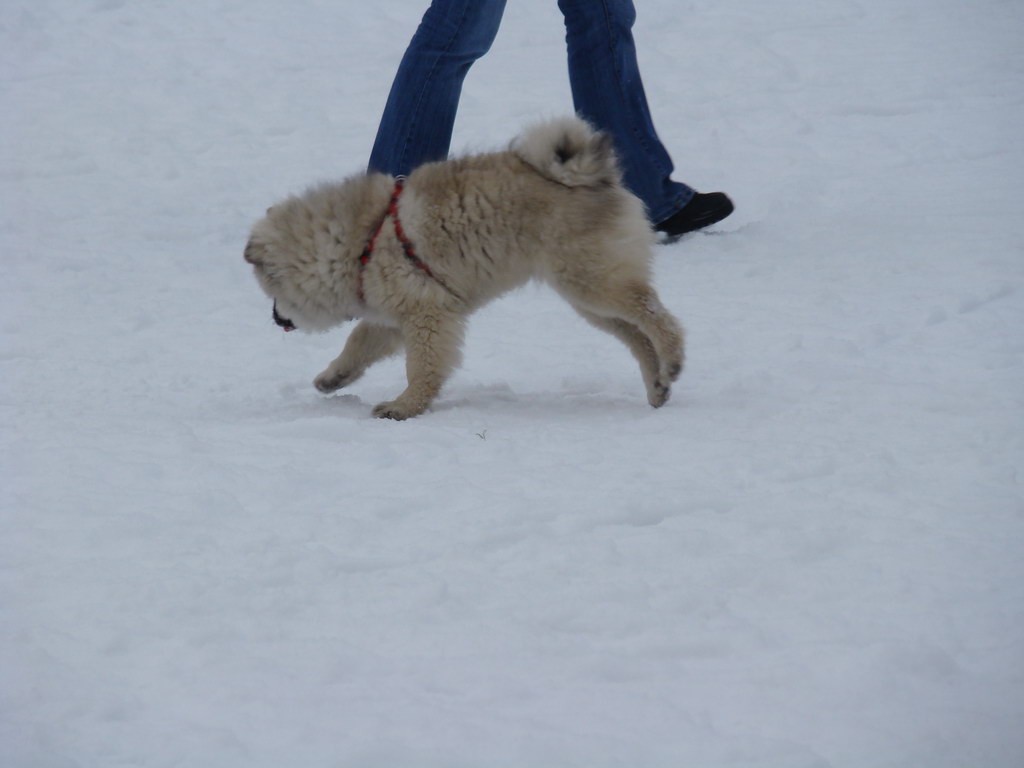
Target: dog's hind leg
{"points": [[637, 304], [367, 344], [641, 347], [433, 349]]}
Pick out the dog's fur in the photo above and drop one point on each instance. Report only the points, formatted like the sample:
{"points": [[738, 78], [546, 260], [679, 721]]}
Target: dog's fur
{"points": [[552, 207]]}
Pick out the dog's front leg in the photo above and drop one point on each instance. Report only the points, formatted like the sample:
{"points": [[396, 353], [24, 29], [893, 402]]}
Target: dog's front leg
{"points": [[367, 344], [433, 346]]}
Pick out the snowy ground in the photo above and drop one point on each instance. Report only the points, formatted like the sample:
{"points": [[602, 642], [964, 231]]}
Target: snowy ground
{"points": [[811, 558]]}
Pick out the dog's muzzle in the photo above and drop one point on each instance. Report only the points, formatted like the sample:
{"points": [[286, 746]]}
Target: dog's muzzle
{"points": [[284, 322]]}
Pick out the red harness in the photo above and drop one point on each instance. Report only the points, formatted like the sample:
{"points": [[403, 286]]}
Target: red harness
{"points": [[410, 252]]}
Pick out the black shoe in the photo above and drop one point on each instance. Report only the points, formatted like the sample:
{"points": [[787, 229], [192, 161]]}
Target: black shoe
{"points": [[702, 211]]}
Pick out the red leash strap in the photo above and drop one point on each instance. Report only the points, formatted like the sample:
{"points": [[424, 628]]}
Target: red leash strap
{"points": [[407, 247]]}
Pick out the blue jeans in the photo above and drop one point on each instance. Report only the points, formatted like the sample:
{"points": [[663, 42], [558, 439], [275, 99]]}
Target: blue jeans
{"points": [[417, 123]]}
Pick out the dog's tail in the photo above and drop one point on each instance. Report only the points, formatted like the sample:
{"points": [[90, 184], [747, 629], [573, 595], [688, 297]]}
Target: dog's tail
{"points": [[569, 151]]}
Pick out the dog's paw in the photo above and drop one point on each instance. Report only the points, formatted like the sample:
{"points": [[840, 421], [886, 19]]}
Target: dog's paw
{"points": [[395, 409], [390, 411], [331, 381], [658, 394]]}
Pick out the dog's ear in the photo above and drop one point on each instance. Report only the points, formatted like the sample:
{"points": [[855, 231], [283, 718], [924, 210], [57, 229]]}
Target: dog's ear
{"points": [[250, 254]]}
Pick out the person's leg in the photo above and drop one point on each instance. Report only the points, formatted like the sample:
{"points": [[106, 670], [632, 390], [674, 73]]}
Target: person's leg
{"points": [[417, 123], [608, 92]]}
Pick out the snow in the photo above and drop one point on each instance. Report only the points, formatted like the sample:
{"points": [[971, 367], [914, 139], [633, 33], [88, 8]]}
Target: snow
{"points": [[810, 558]]}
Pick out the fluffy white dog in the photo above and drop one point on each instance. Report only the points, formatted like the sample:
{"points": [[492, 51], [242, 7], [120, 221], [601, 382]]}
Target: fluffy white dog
{"points": [[415, 257]]}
